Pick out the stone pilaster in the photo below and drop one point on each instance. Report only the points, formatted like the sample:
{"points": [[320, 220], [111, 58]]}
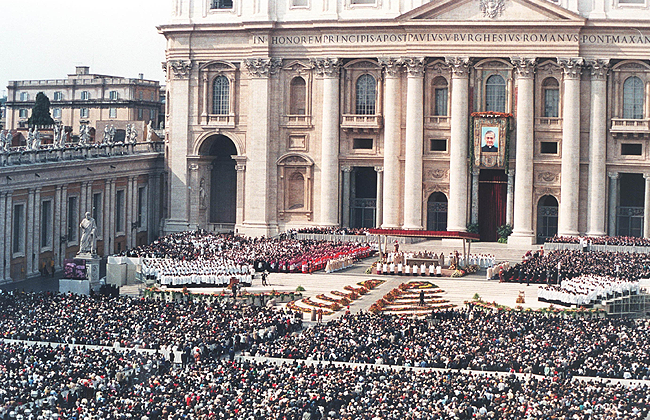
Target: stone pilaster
{"points": [[474, 206], [646, 207], [56, 227], [329, 69], [29, 246], [597, 147], [522, 233], [613, 200], [240, 167], [510, 199], [3, 237], [37, 231], [570, 182], [380, 196], [391, 175], [414, 143], [128, 228], [458, 171], [256, 210], [345, 217], [9, 206]]}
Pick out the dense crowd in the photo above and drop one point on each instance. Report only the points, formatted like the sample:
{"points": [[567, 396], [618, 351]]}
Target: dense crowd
{"points": [[566, 264], [199, 251], [333, 230], [601, 240], [506, 342], [586, 289], [144, 323], [64, 383]]}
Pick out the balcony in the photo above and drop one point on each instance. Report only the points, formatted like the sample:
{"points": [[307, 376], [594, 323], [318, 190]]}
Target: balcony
{"points": [[548, 124], [218, 120], [437, 121], [630, 127], [296, 121], [361, 123]]}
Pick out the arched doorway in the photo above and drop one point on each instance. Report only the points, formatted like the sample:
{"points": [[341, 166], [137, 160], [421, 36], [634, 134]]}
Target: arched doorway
{"points": [[546, 218], [437, 212], [223, 179]]}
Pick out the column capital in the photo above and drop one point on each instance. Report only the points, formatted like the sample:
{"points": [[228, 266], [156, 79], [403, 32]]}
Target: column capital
{"points": [[327, 66], [240, 167], [379, 169], [193, 167], [346, 168], [180, 68], [598, 67], [476, 171], [646, 177], [391, 65], [572, 67], [524, 67], [262, 67], [459, 66], [612, 175], [414, 66], [511, 173]]}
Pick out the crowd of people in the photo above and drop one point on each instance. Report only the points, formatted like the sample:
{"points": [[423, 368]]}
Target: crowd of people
{"points": [[84, 384], [504, 341], [554, 266], [332, 230], [586, 289], [202, 257], [601, 240], [142, 323]]}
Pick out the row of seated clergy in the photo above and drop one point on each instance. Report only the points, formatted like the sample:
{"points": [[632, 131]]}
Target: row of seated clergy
{"points": [[403, 269]]}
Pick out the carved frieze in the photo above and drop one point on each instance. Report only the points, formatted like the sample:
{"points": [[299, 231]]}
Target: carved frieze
{"points": [[492, 8], [548, 177], [437, 174], [180, 68]]}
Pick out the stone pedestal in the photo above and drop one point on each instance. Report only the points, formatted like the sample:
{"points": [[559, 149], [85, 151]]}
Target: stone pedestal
{"points": [[85, 285]]}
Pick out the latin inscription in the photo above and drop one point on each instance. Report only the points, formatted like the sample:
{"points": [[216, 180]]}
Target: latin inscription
{"points": [[415, 38]]}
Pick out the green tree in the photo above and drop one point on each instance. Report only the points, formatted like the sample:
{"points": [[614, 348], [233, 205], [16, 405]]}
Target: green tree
{"points": [[41, 111]]}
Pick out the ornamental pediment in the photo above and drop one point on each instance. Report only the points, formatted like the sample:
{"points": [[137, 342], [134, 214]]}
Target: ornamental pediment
{"points": [[491, 10]]}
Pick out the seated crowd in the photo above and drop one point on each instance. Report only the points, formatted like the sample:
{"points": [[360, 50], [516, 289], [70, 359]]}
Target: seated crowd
{"points": [[586, 290], [567, 264], [107, 385], [601, 240], [506, 342], [209, 258], [333, 230], [142, 323]]}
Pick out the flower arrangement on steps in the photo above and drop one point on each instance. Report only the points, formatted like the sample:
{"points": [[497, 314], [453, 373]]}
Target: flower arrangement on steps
{"points": [[405, 298], [418, 284], [292, 305], [342, 301], [371, 284]]}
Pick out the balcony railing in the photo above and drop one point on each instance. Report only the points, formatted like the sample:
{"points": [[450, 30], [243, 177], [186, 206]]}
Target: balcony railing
{"points": [[629, 126], [296, 121], [437, 121], [218, 120], [548, 123], [357, 122]]}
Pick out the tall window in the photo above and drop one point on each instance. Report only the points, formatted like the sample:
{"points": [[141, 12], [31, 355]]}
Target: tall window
{"points": [[46, 224], [363, 1], [296, 191], [366, 95], [24, 96], [58, 96], [19, 229], [221, 96], [551, 95], [85, 95], [23, 113], [140, 114], [221, 4], [112, 113], [113, 95], [56, 112], [440, 93], [97, 211], [633, 98], [495, 94], [298, 92], [84, 112], [301, 3], [72, 219], [119, 211]]}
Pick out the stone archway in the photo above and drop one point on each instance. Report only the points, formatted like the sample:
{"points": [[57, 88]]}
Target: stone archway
{"points": [[547, 211], [437, 212], [222, 201]]}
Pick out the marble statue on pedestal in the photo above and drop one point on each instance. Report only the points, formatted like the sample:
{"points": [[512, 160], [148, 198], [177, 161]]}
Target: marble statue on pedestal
{"points": [[87, 243]]}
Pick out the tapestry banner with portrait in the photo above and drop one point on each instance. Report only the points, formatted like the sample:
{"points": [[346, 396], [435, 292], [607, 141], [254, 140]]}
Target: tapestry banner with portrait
{"points": [[490, 140]]}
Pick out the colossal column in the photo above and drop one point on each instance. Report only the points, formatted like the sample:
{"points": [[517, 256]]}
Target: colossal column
{"points": [[380, 195], [256, 202], [457, 212], [613, 200], [597, 148], [646, 207], [522, 233], [179, 102], [8, 234], [329, 69], [392, 114], [4, 239], [570, 183], [414, 140]]}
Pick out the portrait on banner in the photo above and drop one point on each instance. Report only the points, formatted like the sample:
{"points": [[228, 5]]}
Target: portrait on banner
{"points": [[490, 142]]}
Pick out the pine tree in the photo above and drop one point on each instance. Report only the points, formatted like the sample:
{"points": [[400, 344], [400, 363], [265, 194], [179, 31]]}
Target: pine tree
{"points": [[41, 111]]}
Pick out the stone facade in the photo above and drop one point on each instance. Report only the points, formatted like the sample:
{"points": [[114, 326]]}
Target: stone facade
{"points": [[359, 113]]}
